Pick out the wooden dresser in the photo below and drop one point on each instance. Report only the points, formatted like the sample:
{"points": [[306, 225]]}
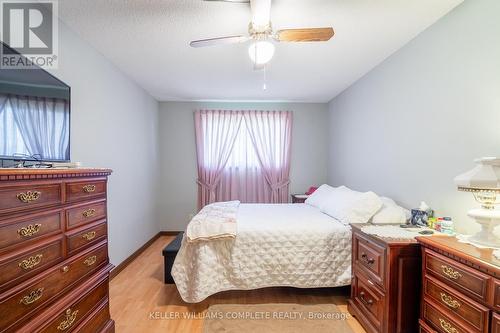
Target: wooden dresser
{"points": [[385, 287], [460, 287], [54, 267]]}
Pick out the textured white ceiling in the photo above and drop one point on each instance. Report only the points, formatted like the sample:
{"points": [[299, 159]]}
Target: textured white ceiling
{"points": [[148, 40]]}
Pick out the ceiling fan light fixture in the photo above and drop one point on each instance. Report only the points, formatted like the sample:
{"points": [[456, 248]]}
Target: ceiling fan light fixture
{"points": [[261, 52]]}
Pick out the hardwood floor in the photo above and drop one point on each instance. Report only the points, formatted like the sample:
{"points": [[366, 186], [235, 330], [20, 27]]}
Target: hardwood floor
{"points": [[141, 302]]}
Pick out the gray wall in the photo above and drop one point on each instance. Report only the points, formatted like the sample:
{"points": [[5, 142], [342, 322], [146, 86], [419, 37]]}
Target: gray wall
{"points": [[419, 119], [178, 154], [113, 125]]}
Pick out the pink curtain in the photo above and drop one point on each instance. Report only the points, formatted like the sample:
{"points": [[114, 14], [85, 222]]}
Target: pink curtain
{"points": [[271, 135], [243, 155], [215, 132]]}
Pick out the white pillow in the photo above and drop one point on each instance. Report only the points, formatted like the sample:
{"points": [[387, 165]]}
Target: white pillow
{"points": [[320, 196], [390, 213], [348, 206]]}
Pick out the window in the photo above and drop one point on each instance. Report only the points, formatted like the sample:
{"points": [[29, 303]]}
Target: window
{"points": [[34, 126], [243, 155], [11, 142]]}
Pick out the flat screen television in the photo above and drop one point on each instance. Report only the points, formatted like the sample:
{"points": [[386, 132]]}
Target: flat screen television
{"points": [[34, 116]]}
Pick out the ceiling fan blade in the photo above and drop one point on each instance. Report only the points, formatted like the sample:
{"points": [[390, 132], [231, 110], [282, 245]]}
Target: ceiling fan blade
{"points": [[219, 41], [305, 35], [261, 13]]}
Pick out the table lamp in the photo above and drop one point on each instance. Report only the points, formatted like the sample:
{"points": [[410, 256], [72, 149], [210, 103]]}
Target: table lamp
{"points": [[484, 183]]}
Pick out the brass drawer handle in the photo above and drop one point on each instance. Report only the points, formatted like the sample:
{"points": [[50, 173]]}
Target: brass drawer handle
{"points": [[450, 272], [368, 302], [32, 297], [89, 212], [89, 235], [90, 260], [29, 230], [29, 196], [448, 300], [70, 319], [88, 188], [447, 326], [31, 262], [65, 269], [369, 261]]}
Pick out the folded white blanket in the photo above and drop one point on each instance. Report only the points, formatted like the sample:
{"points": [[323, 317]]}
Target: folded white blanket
{"points": [[214, 221]]}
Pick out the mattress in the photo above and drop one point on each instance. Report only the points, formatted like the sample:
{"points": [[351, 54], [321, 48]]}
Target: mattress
{"points": [[276, 245]]}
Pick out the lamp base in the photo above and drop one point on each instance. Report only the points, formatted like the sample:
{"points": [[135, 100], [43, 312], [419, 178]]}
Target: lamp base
{"points": [[489, 220]]}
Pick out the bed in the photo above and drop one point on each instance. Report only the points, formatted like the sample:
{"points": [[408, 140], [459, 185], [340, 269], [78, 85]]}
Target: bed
{"points": [[292, 245]]}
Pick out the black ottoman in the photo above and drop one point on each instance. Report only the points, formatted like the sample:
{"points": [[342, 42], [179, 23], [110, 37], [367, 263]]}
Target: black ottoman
{"points": [[169, 253]]}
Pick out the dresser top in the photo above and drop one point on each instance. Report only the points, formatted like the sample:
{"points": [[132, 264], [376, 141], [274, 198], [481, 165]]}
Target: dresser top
{"points": [[7, 174], [450, 246]]}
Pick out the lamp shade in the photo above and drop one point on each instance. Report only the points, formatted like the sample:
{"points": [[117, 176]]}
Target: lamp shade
{"points": [[484, 177]]}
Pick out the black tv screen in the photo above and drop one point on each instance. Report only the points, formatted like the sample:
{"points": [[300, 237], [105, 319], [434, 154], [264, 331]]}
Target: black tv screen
{"points": [[34, 116]]}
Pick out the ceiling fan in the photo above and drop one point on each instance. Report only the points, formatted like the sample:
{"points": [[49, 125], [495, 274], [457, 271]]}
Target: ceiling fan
{"points": [[260, 32]]}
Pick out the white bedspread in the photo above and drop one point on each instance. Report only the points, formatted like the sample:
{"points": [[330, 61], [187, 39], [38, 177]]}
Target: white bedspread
{"points": [[276, 245]]}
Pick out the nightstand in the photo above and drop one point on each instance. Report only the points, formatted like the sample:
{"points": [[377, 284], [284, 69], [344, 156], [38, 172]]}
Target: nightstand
{"points": [[299, 198], [385, 286]]}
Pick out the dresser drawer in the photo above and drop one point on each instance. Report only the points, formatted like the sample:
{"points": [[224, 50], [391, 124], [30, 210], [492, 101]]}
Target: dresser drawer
{"points": [[495, 323], [41, 291], [97, 320], [21, 230], [424, 328], [87, 213], [29, 196], [21, 266], [470, 282], [78, 311], [85, 190], [440, 321], [496, 294], [370, 258], [80, 239], [457, 304], [369, 299]]}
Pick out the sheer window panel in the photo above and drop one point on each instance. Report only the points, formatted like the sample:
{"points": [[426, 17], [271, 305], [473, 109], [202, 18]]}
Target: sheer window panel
{"points": [[243, 178], [11, 142]]}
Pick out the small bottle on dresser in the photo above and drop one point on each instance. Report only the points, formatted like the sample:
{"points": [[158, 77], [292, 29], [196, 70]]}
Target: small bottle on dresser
{"points": [[447, 226]]}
